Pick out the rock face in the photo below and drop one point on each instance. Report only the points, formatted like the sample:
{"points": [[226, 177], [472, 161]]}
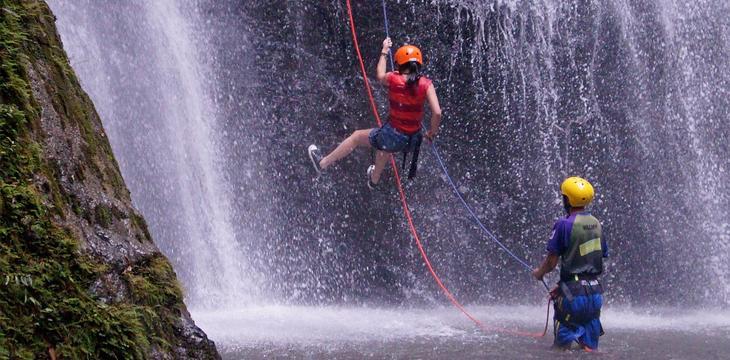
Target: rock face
{"points": [[81, 276]]}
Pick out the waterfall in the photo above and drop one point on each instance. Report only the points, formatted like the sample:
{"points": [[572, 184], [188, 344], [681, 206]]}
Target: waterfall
{"points": [[141, 63], [209, 107]]}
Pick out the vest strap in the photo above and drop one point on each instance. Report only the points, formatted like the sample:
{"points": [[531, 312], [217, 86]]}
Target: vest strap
{"points": [[414, 145]]}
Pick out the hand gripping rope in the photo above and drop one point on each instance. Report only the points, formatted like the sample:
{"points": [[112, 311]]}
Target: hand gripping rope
{"points": [[406, 208]]}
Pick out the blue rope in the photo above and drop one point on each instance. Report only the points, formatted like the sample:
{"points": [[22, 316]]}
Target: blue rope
{"points": [[387, 34], [451, 181], [471, 211], [473, 215]]}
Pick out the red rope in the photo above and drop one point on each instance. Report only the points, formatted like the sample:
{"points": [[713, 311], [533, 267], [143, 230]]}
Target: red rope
{"points": [[407, 210]]}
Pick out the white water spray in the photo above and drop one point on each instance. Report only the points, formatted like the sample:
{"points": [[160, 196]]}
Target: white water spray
{"points": [[185, 150]]}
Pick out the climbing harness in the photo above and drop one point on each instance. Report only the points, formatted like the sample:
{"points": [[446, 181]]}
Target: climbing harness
{"points": [[414, 144], [406, 208]]}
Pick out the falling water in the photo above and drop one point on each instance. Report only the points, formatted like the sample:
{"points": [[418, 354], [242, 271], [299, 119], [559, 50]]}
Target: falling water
{"points": [[632, 95], [150, 87]]}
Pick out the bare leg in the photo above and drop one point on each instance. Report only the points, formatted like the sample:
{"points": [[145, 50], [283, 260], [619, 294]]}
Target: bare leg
{"points": [[381, 158], [358, 138]]}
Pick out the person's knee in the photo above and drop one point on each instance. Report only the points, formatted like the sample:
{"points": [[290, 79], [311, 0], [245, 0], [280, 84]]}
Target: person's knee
{"points": [[361, 137]]}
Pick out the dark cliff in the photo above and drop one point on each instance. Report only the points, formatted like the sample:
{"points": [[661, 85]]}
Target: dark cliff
{"points": [[80, 274]]}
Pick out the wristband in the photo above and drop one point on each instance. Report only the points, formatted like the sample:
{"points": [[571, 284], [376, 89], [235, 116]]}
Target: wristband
{"points": [[383, 54]]}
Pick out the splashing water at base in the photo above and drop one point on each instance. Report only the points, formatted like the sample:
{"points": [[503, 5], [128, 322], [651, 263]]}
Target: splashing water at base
{"points": [[358, 332]]}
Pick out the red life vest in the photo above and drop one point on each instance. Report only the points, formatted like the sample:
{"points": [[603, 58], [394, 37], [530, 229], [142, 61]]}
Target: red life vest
{"points": [[406, 103]]}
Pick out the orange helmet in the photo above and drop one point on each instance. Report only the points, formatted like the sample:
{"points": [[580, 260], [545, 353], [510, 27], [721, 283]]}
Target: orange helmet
{"points": [[408, 53]]}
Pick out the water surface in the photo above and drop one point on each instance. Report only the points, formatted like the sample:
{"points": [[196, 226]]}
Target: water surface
{"points": [[442, 333]]}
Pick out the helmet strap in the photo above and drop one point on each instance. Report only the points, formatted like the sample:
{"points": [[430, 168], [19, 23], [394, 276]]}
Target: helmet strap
{"points": [[566, 205]]}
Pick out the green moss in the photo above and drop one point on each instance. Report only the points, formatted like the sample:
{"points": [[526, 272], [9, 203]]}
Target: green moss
{"points": [[115, 179], [44, 277], [53, 307], [103, 215], [12, 37], [64, 68], [11, 121], [140, 223], [152, 282]]}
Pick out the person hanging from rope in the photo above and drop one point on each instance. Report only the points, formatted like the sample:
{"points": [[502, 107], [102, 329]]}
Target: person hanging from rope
{"points": [[577, 244], [408, 91]]}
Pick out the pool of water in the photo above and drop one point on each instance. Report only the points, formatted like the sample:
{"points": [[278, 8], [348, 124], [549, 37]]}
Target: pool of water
{"points": [[443, 333]]}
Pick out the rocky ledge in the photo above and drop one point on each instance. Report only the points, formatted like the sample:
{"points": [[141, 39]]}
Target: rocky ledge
{"points": [[80, 276]]}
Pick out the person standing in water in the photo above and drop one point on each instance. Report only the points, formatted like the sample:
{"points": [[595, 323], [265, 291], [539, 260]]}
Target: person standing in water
{"points": [[408, 91], [577, 244]]}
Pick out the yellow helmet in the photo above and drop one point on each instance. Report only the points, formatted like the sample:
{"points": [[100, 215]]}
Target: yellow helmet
{"points": [[578, 191]]}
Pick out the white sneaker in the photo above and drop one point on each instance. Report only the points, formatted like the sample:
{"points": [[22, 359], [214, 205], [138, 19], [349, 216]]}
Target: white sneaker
{"points": [[315, 156], [371, 184]]}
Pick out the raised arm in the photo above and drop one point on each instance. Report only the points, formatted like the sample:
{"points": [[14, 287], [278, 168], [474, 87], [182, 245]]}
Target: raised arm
{"points": [[381, 74], [433, 103]]}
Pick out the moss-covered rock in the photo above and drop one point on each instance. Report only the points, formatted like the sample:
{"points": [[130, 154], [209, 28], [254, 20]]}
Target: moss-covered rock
{"points": [[79, 275]]}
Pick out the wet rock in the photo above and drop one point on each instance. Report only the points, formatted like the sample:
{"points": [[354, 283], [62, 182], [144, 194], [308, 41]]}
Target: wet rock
{"points": [[196, 344], [85, 204]]}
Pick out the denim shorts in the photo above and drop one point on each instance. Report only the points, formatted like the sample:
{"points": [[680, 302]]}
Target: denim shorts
{"points": [[388, 139]]}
